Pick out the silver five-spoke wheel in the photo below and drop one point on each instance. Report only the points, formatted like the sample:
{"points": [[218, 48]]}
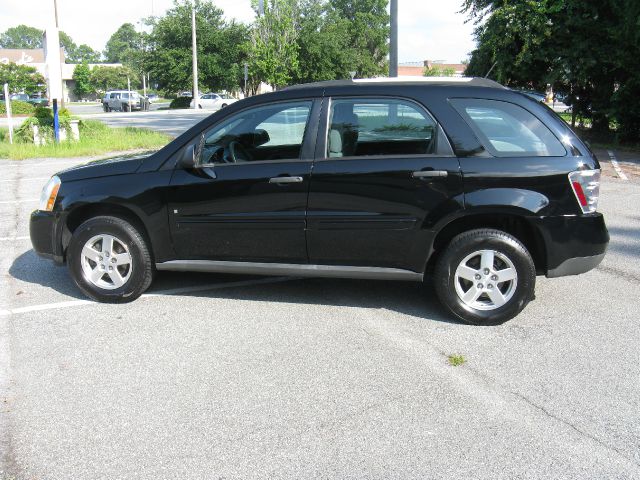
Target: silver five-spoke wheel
{"points": [[106, 262], [486, 280]]}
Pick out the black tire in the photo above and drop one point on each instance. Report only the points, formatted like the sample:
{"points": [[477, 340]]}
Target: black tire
{"points": [[125, 107], [223, 105], [465, 245], [105, 107], [142, 270]]}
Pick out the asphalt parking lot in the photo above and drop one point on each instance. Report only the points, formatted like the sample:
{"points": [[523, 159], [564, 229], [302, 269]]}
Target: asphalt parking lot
{"points": [[171, 122], [211, 376]]}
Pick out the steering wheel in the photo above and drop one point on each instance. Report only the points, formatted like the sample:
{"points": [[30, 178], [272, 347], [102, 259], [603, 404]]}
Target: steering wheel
{"points": [[237, 152]]}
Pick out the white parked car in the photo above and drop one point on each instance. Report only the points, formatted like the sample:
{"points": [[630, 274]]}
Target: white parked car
{"points": [[214, 101]]}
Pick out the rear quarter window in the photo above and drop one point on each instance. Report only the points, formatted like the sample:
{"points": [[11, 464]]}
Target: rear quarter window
{"points": [[508, 130]]}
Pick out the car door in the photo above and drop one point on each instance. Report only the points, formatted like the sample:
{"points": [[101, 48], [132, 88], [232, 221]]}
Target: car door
{"points": [[114, 101], [214, 103], [245, 200], [384, 172], [205, 101]]}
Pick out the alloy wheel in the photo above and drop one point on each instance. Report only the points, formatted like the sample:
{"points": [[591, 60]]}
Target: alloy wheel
{"points": [[106, 262], [486, 280]]}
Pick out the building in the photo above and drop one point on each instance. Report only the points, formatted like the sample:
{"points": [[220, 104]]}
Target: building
{"points": [[35, 58], [412, 69]]}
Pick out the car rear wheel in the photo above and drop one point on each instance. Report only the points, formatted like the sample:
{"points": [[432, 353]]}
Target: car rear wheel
{"points": [[110, 260], [485, 277]]}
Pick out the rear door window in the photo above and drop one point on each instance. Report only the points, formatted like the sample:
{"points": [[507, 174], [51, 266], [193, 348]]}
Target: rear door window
{"points": [[364, 127], [508, 130]]}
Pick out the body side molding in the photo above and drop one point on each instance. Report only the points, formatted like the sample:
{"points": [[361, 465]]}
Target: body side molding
{"points": [[301, 270]]}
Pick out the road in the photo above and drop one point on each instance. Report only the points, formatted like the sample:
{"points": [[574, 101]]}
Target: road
{"points": [[213, 376], [171, 122]]}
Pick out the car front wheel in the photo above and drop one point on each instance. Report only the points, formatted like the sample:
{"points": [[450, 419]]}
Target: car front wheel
{"points": [[485, 277], [110, 260]]}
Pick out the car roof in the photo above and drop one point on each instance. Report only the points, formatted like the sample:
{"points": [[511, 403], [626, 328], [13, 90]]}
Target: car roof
{"points": [[400, 81]]}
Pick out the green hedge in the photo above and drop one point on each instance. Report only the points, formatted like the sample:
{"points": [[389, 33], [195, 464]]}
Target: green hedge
{"points": [[180, 102], [43, 117], [18, 107]]}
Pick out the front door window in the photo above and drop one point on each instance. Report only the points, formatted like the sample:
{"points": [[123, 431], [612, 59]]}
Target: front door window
{"points": [[273, 132]]}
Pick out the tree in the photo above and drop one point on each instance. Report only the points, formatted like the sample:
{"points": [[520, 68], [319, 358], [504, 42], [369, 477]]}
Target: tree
{"points": [[21, 78], [24, 36], [85, 54], [221, 48], [21, 36], [123, 45], [323, 43], [438, 71], [112, 78], [367, 34], [274, 48], [82, 77], [585, 49]]}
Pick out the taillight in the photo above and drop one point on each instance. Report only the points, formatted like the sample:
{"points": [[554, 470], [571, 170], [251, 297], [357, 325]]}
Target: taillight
{"points": [[586, 187]]}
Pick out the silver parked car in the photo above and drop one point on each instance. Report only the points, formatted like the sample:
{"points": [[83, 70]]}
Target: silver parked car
{"points": [[124, 101]]}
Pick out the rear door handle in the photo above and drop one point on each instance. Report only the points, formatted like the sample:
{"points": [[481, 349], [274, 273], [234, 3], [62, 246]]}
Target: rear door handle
{"points": [[285, 180], [429, 173]]}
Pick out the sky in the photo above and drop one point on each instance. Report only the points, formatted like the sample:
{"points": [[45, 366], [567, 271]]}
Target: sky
{"points": [[428, 29]]}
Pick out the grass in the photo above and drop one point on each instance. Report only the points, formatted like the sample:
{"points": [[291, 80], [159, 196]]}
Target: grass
{"points": [[456, 360], [95, 138]]}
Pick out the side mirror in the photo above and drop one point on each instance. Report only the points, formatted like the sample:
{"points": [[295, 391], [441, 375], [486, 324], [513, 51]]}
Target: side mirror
{"points": [[188, 158]]}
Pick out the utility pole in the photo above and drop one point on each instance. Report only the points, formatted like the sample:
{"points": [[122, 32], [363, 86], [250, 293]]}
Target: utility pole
{"points": [[55, 9], [393, 41], [195, 54]]}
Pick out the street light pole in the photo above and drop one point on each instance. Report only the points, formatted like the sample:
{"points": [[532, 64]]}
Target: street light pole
{"points": [[55, 9], [393, 41], [195, 54]]}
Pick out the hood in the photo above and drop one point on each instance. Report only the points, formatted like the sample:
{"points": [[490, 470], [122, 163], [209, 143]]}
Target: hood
{"points": [[120, 165]]}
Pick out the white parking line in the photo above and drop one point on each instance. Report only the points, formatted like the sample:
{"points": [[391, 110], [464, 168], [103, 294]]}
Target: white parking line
{"points": [[616, 166], [12, 239], [39, 164], [160, 293], [21, 201], [29, 179]]}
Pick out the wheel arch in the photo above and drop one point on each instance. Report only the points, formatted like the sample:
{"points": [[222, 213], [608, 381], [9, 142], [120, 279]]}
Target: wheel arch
{"points": [[82, 213], [511, 221]]}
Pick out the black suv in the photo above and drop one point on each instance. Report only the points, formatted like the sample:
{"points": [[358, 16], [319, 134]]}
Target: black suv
{"points": [[462, 179]]}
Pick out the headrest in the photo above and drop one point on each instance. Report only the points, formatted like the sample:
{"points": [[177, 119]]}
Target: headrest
{"points": [[343, 114], [335, 143]]}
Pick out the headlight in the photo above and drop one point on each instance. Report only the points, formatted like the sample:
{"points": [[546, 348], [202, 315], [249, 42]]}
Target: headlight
{"points": [[49, 194]]}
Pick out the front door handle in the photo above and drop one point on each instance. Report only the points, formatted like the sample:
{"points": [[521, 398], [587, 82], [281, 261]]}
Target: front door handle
{"points": [[285, 180], [429, 173]]}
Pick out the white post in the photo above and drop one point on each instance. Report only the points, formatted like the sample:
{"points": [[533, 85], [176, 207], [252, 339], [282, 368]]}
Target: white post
{"points": [[195, 54], [144, 85], [7, 102]]}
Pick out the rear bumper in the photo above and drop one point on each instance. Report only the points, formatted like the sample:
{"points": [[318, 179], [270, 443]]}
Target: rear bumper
{"points": [[44, 236], [574, 244], [575, 266]]}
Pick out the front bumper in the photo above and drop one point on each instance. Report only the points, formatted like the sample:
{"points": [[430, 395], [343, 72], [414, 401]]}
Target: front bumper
{"points": [[574, 244], [45, 237]]}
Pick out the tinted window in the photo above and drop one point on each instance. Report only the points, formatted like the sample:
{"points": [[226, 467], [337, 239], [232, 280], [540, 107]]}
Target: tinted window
{"points": [[508, 130], [360, 127], [272, 132]]}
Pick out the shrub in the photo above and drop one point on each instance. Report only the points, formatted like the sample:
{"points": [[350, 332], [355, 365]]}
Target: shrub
{"points": [[180, 102], [43, 118], [18, 107]]}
